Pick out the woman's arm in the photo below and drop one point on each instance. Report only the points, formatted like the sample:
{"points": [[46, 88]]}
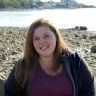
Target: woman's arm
{"points": [[12, 88], [87, 78]]}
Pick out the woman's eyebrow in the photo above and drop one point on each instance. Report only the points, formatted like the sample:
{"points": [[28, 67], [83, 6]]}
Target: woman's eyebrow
{"points": [[46, 33], [35, 36]]}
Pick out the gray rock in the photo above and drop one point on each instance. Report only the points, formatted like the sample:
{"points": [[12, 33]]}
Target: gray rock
{"points": [[92, 37], [93, 49]]}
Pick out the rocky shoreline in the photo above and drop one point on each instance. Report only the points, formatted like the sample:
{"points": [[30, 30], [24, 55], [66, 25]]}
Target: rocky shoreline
{"points": [[12, 42]]}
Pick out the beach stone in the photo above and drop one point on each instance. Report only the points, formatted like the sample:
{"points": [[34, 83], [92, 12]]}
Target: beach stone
{"points": [[76, 35], [13, 53], [83, 28], [76, 27], [9, 32], [93, 49], [80, 28], [92, 37], [84, 36], [2, 47], [3, 57]]}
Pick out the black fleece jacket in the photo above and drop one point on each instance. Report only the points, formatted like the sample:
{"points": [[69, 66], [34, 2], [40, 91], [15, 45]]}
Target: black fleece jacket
{"points": [[78, 70]]}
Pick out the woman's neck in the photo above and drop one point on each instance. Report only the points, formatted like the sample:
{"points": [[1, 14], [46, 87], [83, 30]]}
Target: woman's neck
{"points": [[48, 64]]}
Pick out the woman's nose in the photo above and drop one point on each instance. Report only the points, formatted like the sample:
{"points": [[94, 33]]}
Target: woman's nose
{"points": [[41, 41]]}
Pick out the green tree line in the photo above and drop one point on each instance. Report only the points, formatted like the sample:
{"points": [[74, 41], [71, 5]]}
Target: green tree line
{"points": [[19, 4]]}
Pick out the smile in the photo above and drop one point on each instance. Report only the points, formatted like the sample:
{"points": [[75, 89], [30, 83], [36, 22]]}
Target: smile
{"points": [[43, 48]]}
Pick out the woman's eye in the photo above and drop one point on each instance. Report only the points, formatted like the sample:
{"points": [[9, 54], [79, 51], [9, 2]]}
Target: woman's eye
{"points": [[46, 36], [36, 38]]}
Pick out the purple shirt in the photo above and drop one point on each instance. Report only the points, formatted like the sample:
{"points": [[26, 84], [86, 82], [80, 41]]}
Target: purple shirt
{"points": [[46, 85]]}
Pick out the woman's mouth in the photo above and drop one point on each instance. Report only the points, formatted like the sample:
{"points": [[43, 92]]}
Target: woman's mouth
{"points": [[44, 48]]}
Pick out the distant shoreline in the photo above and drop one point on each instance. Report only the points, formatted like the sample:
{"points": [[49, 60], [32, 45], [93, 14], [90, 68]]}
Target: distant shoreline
{"points": [[73, 28], [29, 9]]}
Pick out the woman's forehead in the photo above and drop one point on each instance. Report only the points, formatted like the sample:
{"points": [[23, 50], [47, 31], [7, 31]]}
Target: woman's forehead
{"points": [[42, 29]]}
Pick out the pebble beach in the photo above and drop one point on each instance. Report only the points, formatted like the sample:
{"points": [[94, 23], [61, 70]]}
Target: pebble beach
{"points": [[12, 42]]}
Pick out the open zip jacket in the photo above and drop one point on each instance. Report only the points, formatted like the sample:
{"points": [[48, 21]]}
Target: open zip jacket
{"points": [[78, 70]]}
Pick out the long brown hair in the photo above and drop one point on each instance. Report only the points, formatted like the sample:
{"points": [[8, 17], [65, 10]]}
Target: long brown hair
{"points": [[30, 60]]}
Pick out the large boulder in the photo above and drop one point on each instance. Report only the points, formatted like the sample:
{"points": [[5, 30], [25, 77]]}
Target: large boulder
{"points": [[83, 28], [92, 37], [93, 49], [80, 28]]}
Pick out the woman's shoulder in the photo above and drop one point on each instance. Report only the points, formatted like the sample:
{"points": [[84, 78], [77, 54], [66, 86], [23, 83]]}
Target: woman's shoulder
{"points": [[19, 62], [75, 58], [72, 54], [78, 62], [17, 65]]}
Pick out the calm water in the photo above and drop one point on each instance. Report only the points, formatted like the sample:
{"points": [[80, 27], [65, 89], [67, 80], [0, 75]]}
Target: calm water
{"points": [[62, 18]]}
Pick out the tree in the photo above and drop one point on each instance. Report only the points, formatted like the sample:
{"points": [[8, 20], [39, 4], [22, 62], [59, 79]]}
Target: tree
{"points": [[1, 4]]}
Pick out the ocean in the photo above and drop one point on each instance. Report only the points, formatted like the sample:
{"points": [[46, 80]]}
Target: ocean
{"points": [[61, 18]]}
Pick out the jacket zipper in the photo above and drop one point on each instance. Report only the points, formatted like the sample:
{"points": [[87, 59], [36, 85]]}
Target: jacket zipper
{"points": [[28, 85], [66, 62]]}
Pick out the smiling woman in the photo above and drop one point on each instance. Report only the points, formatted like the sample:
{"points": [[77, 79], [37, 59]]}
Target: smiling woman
{"points": [[48, 67], [44, 41]]}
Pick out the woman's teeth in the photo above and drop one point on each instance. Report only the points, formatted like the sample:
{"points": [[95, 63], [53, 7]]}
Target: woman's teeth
{"points": [[43, 48]]}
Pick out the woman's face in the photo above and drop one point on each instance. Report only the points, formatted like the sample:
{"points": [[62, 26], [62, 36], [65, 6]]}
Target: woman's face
{"points": [[44, 41]]}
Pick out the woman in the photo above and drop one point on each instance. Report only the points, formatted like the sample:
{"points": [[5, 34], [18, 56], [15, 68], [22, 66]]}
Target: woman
{"points": [[48, 67]]}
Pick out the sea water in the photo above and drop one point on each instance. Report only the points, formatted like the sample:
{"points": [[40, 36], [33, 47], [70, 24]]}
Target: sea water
{"points": [[62, 18]]}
